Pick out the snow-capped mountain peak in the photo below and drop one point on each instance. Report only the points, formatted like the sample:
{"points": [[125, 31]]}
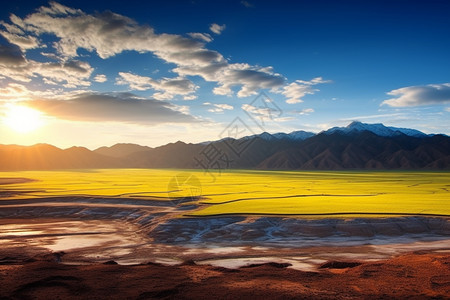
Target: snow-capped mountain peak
{"points": [[295, 135], [378, 129], [300, 135]]}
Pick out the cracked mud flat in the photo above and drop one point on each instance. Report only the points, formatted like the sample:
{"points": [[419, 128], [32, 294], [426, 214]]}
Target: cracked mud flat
{"points": [[410, 276], [131, 231], [58, 247]]}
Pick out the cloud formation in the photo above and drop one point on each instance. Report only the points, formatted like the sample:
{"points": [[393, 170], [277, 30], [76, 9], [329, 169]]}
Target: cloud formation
{"points": [[15, 35], [216, 28], [80, 105], [118, 107], [261, 112], [295, 91], [100, 78], [218, 108], [167, 88], [419, 95], [14, 91], [69, 73], [305, 111], [249, 78], [206, 37], [108, 34], [11, 56]]}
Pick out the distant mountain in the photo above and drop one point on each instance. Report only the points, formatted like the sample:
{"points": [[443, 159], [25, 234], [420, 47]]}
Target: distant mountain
{"points": [[120, 150], [294, 136], [363, 150], [356, 146], [48, 157], [298, 135], [378, 129], [227, 153]]}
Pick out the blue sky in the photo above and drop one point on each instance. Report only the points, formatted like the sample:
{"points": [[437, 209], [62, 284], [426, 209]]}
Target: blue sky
{"points": [[102, 72]]}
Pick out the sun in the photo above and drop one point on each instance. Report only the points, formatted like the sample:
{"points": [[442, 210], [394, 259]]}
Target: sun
{"points": [[22, 119]]}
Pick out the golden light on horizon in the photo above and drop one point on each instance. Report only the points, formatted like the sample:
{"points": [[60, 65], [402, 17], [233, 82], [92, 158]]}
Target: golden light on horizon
{"points": [[22, 119]]}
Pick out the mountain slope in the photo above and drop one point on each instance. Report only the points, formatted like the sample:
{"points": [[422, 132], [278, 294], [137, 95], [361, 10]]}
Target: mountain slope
{"points": [[223, 154], [357, 146], [293, 136], [121, 150], [378, 129], [47, 157], [363, 150]]}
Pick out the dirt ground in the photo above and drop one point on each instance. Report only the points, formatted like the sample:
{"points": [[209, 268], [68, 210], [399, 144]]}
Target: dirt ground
{"points": [[414, 276], [71, 252]]}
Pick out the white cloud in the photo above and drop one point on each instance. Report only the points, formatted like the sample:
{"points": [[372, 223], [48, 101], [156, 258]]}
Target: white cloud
{"points": [[14, 92], [377, 116], [249, 78], [261, 112], [225, 106], [80, 105], [100, 78], [447, 109], [216, 28], [70, 73], [189, 97], [305, 111], [184, 109], [295, 91], [419, 95], [284, 119], [201, 36], [108, 34], [136, 82], [15, 35], [218, 108], [167, 88], [115, 107], [23, 41], [58, 9]]}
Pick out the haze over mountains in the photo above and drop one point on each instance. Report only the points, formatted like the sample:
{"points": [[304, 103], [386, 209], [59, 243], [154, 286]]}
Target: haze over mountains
{"points": [[358, 146]]}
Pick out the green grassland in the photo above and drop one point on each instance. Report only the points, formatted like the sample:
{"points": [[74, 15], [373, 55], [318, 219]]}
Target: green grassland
{"points": [[251, 192]]}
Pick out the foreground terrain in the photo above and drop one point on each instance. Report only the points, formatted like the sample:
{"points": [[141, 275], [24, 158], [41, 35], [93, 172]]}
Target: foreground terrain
{"points": [[182, 233], [412, 276]]}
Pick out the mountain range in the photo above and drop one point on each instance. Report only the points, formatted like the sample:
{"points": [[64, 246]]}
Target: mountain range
{"points": [[358, 146]]}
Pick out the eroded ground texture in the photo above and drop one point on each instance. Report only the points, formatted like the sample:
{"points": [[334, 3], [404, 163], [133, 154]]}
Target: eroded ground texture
{"points": [[100, 247]]}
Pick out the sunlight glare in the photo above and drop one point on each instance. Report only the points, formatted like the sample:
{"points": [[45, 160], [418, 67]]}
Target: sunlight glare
{"points": [[22, 119]]}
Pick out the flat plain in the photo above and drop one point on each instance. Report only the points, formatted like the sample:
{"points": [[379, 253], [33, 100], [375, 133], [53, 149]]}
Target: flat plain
{"points": [[237, 192], [185, 232]]}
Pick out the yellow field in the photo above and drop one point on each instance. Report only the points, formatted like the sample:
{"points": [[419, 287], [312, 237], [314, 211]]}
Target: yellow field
{"points": [[252, 192]]}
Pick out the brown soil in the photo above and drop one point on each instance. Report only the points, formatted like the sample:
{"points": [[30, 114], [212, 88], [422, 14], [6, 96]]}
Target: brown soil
{"points": [[416, 275]]}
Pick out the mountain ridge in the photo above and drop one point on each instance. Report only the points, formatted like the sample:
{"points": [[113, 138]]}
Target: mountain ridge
{"points": [[377, 128], [356, 146]]}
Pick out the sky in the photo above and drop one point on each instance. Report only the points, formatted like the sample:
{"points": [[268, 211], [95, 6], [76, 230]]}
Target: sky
{"points": [[95, 73]]}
